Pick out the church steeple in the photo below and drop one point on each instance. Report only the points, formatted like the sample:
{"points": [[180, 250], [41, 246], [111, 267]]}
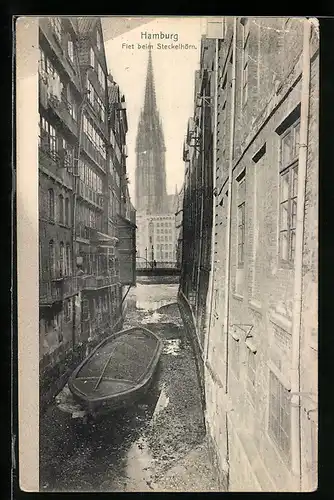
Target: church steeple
{"points": [[150, 98], [151, 195]]}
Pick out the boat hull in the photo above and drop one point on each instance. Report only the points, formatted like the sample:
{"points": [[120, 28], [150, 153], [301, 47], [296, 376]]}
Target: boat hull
{"points": [[94, 403], [114, 403]]}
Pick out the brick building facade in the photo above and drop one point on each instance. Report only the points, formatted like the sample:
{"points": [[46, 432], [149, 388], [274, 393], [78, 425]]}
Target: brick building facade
{"points": [[82, 193], [260, 346]]}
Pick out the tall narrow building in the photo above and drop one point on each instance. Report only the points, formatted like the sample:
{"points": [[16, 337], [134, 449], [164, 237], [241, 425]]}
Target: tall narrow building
{"points": [[151, 194]]}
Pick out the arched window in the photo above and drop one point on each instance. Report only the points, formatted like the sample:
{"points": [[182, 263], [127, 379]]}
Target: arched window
{"points": [[52, 259], [67, 211], [62, 259], [51, 204], [61, 208], [68, 259]]}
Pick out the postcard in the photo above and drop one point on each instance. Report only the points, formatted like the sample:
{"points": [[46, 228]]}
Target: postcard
{"points": [[167, 201]]}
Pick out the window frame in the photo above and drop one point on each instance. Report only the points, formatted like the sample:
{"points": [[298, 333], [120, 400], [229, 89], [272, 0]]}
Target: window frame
{"points": [[101, 76], [288, 169], [51, 205], [67, 211], [62, 259], [68, 258], [277, 424], [61, 209], [52, 259]]}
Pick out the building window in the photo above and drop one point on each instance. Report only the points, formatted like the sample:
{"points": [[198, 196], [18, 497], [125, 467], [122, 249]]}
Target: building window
{"points": [[61, 259], [68, 259], [101, 76], [56, 26], [68, 310], [48, 138], [85, 309], [241, 218], [245, 46], [90, 92], [51, 204], [279, 415], [61, 208], [94, 137], [100, 108], [70, 50], [52, 259], [288, 193], [71, 104], [68, 155]]}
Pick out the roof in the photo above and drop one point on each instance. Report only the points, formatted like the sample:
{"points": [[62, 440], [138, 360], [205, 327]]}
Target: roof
{"points": [[84, 25], [113, 92]]}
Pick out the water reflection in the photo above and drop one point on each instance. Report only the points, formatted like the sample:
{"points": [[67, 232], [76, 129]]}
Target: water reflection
{"points": [[139, 464], [150, 298]]}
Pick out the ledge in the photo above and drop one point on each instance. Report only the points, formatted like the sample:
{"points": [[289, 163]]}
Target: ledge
{"points": [[235, 336], [251, 346], [281, 377], [237, 296], [255, 305], [281, 321]]}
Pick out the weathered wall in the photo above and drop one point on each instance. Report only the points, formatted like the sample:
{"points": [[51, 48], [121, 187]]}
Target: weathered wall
{"points": [[261, 296]]}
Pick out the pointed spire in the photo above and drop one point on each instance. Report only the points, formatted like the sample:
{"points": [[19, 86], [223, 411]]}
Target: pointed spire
{"points": [[150, 99]]}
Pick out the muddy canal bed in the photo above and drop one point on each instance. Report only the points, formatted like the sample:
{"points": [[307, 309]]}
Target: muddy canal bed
{"points": [[132, 449]]}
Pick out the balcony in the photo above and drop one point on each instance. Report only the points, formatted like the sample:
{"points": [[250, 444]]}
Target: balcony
{"points": [[61, 107], [64, 109], [51, 163], [82, 231], [96, 282], [57, 289], [90, 195]]}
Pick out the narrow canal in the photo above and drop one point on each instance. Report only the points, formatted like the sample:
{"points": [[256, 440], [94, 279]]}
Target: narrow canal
{"points": [[158, 444]]}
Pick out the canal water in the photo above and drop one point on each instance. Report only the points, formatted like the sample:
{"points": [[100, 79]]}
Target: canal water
{"points": [[133, 449]]}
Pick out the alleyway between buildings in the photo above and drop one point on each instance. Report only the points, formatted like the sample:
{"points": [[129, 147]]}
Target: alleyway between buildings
{"points": [[158, 444]]}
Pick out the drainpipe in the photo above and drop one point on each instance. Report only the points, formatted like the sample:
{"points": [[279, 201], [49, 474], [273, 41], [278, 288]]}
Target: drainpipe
{"points": [[298, 275], [214, 164]]}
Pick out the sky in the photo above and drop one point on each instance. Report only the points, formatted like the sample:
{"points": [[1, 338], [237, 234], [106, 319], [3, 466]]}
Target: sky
{"points": [[174, 73]]}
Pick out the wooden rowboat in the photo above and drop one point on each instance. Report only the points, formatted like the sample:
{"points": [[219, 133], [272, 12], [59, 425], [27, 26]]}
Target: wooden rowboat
{"points": [[118, 371]]}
